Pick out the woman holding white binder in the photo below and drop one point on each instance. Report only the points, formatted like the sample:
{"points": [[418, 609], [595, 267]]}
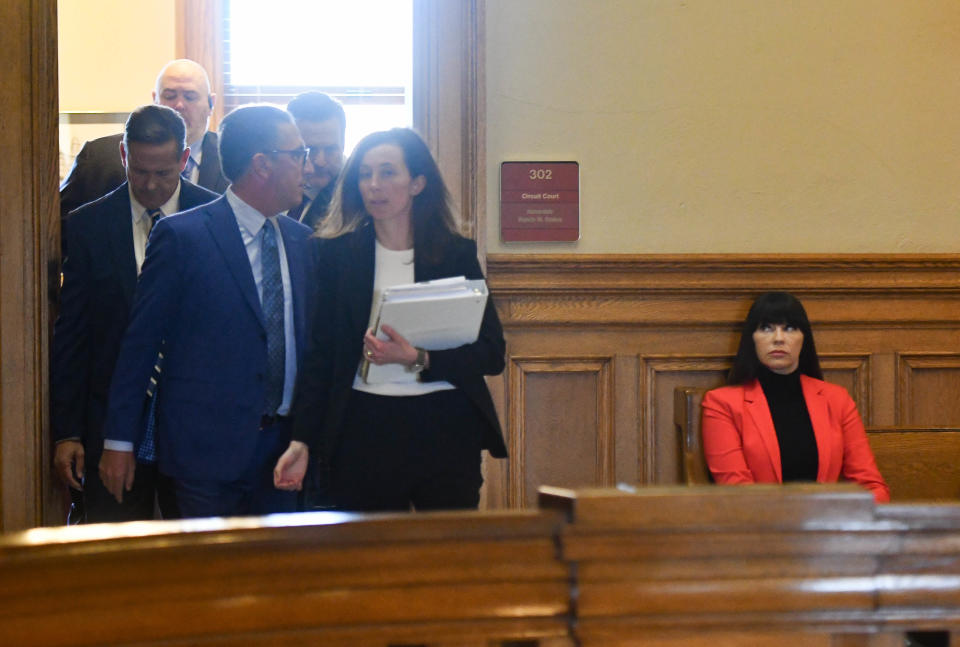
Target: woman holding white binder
{"points": [[415, 441]]}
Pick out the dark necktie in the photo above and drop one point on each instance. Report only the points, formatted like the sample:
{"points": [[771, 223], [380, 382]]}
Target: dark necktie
{"points": [[154, 215], [272, 301], [187, 171], [147, 450]]}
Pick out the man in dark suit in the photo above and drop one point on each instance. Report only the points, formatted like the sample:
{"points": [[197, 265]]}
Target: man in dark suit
{"points": [[322, 124], [107, 240], [181, 85], [224, 291]]}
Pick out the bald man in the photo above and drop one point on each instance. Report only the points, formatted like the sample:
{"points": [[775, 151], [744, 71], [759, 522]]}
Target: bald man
{"points": [[182, 85]]}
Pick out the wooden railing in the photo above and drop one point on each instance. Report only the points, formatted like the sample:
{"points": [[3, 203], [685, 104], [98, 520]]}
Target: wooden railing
{"points": [[760, 566]]}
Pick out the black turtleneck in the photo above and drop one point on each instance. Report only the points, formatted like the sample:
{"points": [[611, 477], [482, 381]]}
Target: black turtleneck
{"points": [[798, 445]]}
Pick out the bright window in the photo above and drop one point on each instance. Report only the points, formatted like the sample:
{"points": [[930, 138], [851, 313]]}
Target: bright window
{"points": [[358, 51]]}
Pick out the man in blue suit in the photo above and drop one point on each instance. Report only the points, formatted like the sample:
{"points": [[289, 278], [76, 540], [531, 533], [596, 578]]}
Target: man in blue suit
{"points": [[223, 295]]}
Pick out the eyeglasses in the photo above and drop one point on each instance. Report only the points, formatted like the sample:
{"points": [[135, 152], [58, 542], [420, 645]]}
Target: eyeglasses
{"points": [[296, 154]]}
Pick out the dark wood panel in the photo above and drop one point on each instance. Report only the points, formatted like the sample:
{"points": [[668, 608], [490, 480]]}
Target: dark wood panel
{"points": [[929, 384], [564, 410], [887, 328], [918, 464]]}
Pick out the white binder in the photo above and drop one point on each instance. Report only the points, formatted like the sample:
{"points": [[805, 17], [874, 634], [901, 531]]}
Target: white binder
{"points": [[433, 315]]}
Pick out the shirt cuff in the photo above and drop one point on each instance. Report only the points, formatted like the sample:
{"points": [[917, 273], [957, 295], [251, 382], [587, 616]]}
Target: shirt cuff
{"points": [[118, 445]]}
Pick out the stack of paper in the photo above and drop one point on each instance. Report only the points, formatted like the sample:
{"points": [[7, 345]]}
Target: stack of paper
{"points": [[434, 315]]}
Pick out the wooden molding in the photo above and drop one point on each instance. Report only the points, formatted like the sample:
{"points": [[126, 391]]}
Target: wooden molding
{"points": [[715, 290], [518, 370], [449, 99], [911, 364], [199, 38], [29, 252]]}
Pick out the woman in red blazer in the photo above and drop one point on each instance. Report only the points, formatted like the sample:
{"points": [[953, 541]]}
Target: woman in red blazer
{"points": [[778, 421]]}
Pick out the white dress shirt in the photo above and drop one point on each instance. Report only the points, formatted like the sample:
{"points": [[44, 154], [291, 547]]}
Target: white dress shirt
{"points": [[142, 224]]}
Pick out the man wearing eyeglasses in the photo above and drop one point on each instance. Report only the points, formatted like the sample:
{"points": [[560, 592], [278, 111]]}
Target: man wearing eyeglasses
{"points": [[322, 124], [182, 85], [224, 291]]}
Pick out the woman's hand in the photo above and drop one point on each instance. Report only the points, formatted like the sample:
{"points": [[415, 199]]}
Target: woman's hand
{"points": [[395, 350], [291, 467]]}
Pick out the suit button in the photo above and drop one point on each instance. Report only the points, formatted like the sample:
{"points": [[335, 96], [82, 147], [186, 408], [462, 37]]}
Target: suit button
{"points": [[263, 336], [260, 376]]}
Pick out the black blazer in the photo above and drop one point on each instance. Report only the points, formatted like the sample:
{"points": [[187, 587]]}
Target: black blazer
{"points": [[99, 278], [344, 295], [98, 170], [318, 208]]}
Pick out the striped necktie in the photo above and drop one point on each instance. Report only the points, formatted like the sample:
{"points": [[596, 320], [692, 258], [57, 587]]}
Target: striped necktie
{"points": [[147, 449], [272, 302], [154, 215]]}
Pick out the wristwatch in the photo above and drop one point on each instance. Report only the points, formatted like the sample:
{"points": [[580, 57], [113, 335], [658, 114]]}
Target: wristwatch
{"points": [[420, 363]]}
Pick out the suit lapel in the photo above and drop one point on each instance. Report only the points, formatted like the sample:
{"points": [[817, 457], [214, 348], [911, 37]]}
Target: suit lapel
{"points": [[120, 236], [758, 412], [295, 250], [363, 253], [226, 233], [209, 174], [820, 419]]}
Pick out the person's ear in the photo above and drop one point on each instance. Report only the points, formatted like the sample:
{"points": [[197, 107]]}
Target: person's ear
{"points": [[260, 164], [418, 184], [184, 158], [123, 154]]}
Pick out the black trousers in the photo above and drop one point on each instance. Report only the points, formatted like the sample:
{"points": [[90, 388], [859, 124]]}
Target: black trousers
{"points": [[398, 453], [150, 489]]}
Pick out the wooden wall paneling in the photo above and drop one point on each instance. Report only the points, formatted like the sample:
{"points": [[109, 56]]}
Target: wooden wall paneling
{"points": [[918, 464], [199, 37], [29, 251], [679, 316], [627, 431], [928, 387], [852, 372], [494, 495], [448, 86], [561, 414], [661, 457]]}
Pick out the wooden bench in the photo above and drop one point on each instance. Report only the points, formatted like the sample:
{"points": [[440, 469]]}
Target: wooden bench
{"points": [[311, 579], [918, 463], [765, 566]]}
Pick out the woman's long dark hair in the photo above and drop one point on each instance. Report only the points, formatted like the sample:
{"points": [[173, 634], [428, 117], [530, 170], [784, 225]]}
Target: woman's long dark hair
{"points": [[433, 221], [774, 308]]}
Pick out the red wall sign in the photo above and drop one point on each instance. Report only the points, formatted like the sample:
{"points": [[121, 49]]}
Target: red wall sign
{"points": [[539, 201]]}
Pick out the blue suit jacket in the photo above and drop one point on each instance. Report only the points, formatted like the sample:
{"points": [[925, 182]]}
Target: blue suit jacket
{"points": [[99, 278], [197, 296]]}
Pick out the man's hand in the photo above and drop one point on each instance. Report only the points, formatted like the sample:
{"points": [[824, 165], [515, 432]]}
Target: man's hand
{"points": [[291, 467], [116, 472], [68, 462]]}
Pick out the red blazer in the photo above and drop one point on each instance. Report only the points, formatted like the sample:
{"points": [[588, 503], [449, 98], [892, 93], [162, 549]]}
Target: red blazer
{"points": [[740, 443]]}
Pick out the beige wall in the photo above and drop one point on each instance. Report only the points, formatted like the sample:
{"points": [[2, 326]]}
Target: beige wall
{"points": [[700, 125], [111, 50], [735, 125]]}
